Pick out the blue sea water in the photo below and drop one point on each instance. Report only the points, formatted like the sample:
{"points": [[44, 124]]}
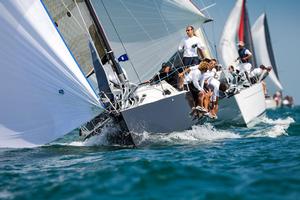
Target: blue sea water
{"points": [[207, 162]]}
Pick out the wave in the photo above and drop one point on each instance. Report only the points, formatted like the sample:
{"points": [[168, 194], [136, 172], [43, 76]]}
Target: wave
{"points": [[198, 134], [285, 122], [275, 128]]}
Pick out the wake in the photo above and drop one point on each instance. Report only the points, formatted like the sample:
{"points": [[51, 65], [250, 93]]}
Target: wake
{"points": [[199, 134], [273, 128]]}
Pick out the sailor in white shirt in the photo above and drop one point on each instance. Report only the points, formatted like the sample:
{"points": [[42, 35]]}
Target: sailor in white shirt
{"points": [[191, 45], [198, 92], [259, 74]]}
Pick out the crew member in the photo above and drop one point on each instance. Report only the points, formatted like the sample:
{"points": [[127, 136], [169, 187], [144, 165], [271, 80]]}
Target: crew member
{"points": [[191, 46]]}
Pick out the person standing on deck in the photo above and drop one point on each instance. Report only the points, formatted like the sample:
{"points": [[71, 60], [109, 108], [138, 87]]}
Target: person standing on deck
{"points": [[244, 53], [244, 56], [191, 46]]}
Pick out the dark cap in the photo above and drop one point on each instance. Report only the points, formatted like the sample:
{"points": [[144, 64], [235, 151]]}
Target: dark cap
{"points": [[166, 64]]}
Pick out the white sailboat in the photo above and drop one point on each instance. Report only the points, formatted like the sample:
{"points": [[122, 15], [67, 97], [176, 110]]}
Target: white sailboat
{"points": [[249, 103], [149, 32], [265, 56], [49, 91], [44, 94]]}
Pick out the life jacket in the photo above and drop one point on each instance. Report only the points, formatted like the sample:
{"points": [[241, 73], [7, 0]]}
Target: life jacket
{"points": [[242, 54]]}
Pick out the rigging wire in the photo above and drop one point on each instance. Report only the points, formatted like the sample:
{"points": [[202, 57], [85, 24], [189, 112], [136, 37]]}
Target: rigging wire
{"points": [[211, 43], [119, 37], [167, 29]]}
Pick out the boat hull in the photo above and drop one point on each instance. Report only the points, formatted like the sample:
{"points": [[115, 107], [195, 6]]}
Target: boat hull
{"points": [[168, 114], [244, 107], [271, 104]]}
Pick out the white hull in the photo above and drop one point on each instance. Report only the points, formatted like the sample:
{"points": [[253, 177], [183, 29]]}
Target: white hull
{"points": [[243, 107], [271, 104], [159, 113]]}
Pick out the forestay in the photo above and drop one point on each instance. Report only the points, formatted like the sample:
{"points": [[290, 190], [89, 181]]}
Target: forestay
{"points": [[149, 31], [263, 48], [44, 95]]}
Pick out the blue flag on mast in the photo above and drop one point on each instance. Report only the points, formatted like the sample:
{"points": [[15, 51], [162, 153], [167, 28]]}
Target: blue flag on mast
{"points": [[123, 58]]}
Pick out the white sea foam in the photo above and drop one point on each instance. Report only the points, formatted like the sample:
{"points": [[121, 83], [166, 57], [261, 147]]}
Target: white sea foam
{"points": [[278, 127], [286, 121], [198, 134], [96, 140], [203, 133]]}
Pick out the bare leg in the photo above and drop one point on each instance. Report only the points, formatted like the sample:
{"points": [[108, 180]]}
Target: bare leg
{"points": [[180, 82], [264, 87], [215, 108], [207, 100], [200, 99]]}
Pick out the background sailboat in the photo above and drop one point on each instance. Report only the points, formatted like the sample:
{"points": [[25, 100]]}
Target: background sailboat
{"points": [[249, 103], [265, 55]]}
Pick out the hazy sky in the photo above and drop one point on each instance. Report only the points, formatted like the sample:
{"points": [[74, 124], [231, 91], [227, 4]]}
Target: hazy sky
{"points": [[283, 18]]}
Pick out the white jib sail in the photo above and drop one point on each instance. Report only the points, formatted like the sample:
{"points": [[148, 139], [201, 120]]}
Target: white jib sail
{"points": [[44, 95], [228, 43], [261, 49]]}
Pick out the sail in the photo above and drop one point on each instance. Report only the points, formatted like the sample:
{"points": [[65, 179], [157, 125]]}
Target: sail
{"points": [[79, 31], [44, 94], [228, 43], [148, 31], [244, 33], [263, 48], [207, 52], [237, 28]]}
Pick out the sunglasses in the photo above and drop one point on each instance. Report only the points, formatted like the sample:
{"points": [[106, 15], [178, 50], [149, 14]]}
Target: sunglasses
{"points": [[188, 30]]}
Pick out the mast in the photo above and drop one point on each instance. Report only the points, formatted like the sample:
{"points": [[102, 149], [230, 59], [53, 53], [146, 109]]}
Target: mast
{"points": [[109, 52]]}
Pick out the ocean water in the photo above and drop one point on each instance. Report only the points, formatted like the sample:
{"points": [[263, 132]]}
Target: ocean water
{"points": [[207, 162]]}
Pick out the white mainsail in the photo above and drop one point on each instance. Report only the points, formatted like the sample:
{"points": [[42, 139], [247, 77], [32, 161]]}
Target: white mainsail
{"points": [[263, 48], [149, 31], [228, 43], [44, 94], [204, 41]]}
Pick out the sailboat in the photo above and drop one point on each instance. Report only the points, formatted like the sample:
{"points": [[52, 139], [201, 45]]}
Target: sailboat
{"points": [[265, 56], [59, 60], [248, 103]]}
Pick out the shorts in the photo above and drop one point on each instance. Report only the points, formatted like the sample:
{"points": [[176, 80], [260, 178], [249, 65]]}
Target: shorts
{"points": [[187, 61], [194, 91]]}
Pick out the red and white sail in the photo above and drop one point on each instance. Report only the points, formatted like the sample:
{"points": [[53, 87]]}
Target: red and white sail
{"points": [[237, 28]]}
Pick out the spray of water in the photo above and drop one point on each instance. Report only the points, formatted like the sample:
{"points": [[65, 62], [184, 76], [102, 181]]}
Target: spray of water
{"points": [[273, 127], [198, 134]]}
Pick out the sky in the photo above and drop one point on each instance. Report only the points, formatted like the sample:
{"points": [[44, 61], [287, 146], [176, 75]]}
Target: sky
{"points": [[283, 18]]}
